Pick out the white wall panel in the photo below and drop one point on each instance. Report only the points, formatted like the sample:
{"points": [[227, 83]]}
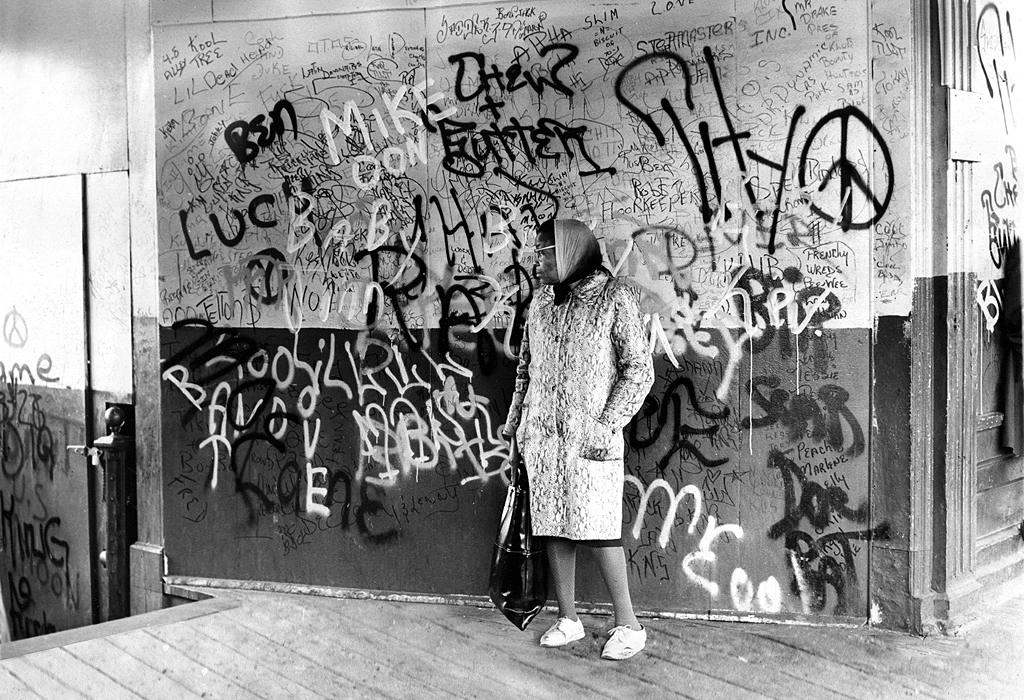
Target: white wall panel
{"points": [[110, 301], [62, 78], [180, 11]]}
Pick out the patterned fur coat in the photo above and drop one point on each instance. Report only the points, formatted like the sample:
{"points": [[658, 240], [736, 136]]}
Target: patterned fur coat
{"points": [[584, 371]]}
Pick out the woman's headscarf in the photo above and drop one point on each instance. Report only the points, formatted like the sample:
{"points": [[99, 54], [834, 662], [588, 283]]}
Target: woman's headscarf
{"points": [[577, 255]]}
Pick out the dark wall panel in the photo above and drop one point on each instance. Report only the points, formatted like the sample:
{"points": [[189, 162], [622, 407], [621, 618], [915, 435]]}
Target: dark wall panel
{"points": [[400, 511], [44, 514], [411, 464]]}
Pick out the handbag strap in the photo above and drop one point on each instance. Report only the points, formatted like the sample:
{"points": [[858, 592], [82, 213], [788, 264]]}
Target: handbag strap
{"points": [[518, 478]]}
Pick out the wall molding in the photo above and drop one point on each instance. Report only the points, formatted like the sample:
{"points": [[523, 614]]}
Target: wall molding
{"points": [[184, 586], [147, 558], [928, 259]]}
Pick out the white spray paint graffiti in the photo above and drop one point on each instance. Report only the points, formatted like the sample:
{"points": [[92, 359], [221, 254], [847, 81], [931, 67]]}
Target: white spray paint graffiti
{"points": [[396, 431], [990, 302], [691, 330], [394, 159], [769, 593], [704, 553]]}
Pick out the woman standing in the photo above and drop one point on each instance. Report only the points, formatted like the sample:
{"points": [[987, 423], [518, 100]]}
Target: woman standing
{"points": [[584, 370]]}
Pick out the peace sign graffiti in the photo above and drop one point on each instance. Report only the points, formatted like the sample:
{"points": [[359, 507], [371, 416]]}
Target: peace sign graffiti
{"points": [[850, 173], [15, 329]]}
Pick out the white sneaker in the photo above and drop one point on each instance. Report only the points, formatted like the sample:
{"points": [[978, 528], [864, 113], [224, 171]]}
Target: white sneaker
{"points": [[624, 642], [562, 632]]}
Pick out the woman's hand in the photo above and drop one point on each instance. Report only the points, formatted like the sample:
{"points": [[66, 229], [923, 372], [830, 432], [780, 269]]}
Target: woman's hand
{"points": [[598, 439]]}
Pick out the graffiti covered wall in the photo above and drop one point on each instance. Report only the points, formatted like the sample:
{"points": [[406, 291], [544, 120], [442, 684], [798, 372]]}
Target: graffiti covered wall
{"points": [[997, 215], [993, 266], [347, 207], [44, 524]]}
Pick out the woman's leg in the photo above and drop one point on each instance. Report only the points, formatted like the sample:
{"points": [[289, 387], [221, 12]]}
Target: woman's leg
{"points": [[612, 562], [562, 557], [5, 633]]}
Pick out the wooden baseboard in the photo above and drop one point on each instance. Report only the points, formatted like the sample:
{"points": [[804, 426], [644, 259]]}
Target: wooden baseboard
{"points": [[180, 585], [177, 613]]}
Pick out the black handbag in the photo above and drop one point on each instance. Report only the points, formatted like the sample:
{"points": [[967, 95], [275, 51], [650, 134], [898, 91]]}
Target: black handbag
{"points": [[519, 567]]}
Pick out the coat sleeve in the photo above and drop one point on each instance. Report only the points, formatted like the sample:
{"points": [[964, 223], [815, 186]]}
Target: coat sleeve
{"points": [[522, 384], [633, 359]]}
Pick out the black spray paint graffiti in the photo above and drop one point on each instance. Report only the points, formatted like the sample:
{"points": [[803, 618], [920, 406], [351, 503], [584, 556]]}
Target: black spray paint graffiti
{"points": [[760, 284], [850, 174], [229, 352], [284, 495], [39, 556], [470, 148], [820, 418], [653, 418], [238, 134], [997, 55], [774, 299], [256, 424], [36, 552], [21, 602], [1000, 202], [827, 561], [260, 212], [400, 274], [400, 292], [26, 440]]}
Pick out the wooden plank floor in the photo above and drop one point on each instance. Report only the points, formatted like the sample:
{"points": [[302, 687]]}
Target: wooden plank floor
{"points": [[271, 645]]}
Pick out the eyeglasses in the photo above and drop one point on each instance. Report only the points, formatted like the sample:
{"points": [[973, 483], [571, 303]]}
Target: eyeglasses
{"points": [[547, 247]]}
